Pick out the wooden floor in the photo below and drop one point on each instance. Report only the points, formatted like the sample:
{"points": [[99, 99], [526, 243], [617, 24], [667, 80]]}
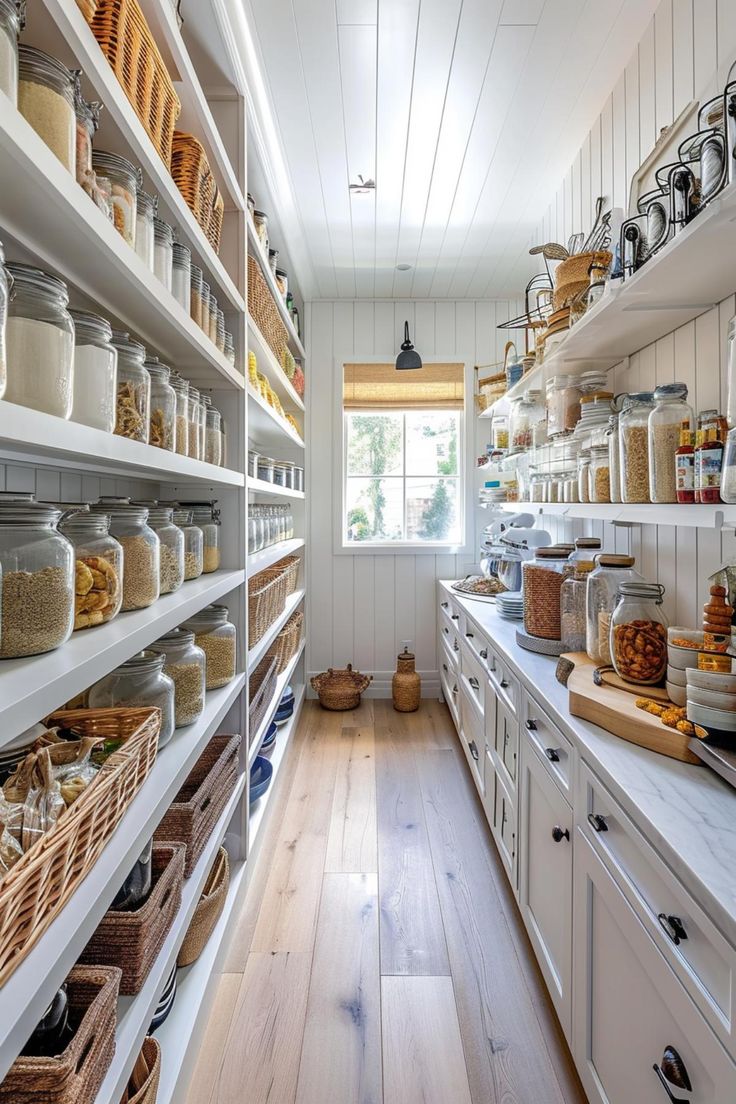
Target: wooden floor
{"points": [[379, 956]]}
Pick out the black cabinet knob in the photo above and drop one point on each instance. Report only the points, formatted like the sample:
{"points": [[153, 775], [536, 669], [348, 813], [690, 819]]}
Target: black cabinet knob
{"points": [[504, 684], [484, 653], [531, 725], [672, 927], [473, 683], [597, 822], [454, 616], [474, 750], [558, 834], [444, 604], [552, 755], [673, 1071]]}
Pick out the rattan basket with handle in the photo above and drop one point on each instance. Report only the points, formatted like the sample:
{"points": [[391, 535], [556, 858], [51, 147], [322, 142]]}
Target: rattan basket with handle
{"points": [[208, 910], [340, 689], [265, 313], [143, 1085]]}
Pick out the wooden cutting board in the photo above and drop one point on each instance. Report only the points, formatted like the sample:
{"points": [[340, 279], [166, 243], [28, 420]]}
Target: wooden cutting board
{"points": [[615, 710]]}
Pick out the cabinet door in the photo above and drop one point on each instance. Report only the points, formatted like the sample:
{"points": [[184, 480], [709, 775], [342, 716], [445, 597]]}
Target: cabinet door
{"points": [[545, 858], [631, 1012], [504, 830], [507, 742], [472, 734]]}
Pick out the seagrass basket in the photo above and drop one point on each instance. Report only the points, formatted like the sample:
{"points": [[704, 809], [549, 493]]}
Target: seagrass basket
{"points": [[266, 599], [265, 313], [190, 169], [287, 641], [572, 276], [142, 1087], [290, 565], [208, 910], [340, 689]]}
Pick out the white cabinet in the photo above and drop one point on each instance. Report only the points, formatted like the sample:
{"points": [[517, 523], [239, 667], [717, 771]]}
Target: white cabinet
{"points": [[545, 869], [507, 743], [631, 1013], [472, 733]]}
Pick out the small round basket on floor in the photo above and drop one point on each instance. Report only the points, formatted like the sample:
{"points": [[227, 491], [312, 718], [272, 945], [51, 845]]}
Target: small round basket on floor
{"points": [[340, 689]]}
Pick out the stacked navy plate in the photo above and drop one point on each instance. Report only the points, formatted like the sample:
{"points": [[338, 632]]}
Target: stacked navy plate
{"points": [[165, 1002], [510, 605], [285, 707]]}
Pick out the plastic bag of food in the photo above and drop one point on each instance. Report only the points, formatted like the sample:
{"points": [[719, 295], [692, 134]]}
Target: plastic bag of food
{"points": [[10, 850]]}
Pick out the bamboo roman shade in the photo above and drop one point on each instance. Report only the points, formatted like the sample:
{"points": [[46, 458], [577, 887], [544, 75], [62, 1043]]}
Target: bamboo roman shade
{"points": [[381, 387]]}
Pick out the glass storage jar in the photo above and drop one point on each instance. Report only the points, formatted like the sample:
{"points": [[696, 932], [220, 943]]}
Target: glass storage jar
{"points": [[133, 401], [98, 583], [163, 252], [206, 405], [9, 31], [252, 464], [563, 405], [614, 458], [205, 315], [633, 431], [195, 296], [229, 348], [46, 101], [40, 342], [195, 410], [220, 342], [638, 641], [37, 576], [265, 469], [145, 213], [87, 116], [542, 579], [524, 416], [217, 637], [298, 478], [282, 282], [206, 517], [181, 275], [260, 221], [212, 331], [584, 475], [273, 260], [141, 680], [141, 550], [610, 571], [585, 552], [500, 431], [193, 544], [536, 490], [280, 473], [4, 296], [213, 436], [572, 608], [119, 180], [599, 474], [670, 415], [184, 663], [95, 372], [171, 550], [162, 421], [181, 435]]}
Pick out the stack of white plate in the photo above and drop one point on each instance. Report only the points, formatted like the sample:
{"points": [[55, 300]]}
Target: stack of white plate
{"points": [[510, 605], [14, 752]]}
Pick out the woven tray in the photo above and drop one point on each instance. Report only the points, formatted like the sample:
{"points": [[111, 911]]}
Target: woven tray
{"points": [[197, 807], [190, 169], [35, 890], [287, 641], [265, 313], [132, 940], [143, 1085], [75, 1075], [131, 51], [208, 910], [266, 599], [261, 686]]}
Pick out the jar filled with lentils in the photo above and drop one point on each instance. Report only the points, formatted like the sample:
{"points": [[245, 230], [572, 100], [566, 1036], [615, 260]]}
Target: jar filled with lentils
{"points": [[184, 663], [181, 391], [193, 544], [206, 516], [171, 551], [215, 634], [141, 550], [542, 580], [633, 432]]}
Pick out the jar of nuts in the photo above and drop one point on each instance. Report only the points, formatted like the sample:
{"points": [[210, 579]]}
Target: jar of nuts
{"points": [[542, 580], [603, 585], [638, 639]]}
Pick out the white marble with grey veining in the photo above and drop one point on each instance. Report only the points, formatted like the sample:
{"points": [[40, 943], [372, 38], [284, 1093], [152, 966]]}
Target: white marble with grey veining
{"points": [[687, 813]]}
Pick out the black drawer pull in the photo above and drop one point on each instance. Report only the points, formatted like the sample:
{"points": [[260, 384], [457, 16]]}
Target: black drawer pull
{"points": [[504, 684], [455, 646], [673, 1071], [597, 822], [444, 668], [474, 750], [454, 616], [473, 683], [470, 635], [484, 653], [672, 927], [454, 689], [531, 725], [552, 755], [444, 604], [558, 834]]}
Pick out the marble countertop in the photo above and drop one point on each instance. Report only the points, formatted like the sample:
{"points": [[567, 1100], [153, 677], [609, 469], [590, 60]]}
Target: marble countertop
{"points": [[688, 813]]}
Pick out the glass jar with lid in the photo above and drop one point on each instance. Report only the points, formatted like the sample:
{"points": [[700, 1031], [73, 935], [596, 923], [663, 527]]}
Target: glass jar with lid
{"points": [[37, 576], [298, 483], [584, 475], [266, 469], [282, 473], [181, 391], [638, 640], [184, 663], [10, 28], [535, 487], [95, 372], [87, 115], [196, 294], [98, 583], [4, 297], [599, 474], [162, 421], [40, 342], [141, 550], [229, 348], [171, 550], [46, 101], [572, 607], [213, 436], [563, 405], [215, 634], [145, 213], [500, 431], [195, 411], [670, 416], [610, 571], [542, 579], [119, 180], [633, 431], [594, 379], [525, 414], [141, 680], [163, 251], [193, 544], [205, 320], [212, 329], [206, 401], [260, 221], [585, 552], [181, 275], [133, 401], [206, 516], [614, 458], [220, 342]]}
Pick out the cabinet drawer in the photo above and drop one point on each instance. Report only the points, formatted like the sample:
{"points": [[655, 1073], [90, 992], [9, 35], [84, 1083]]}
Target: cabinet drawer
{"points": [[696, 950], [451, 693], [504, 828], [506, 684], [474, 677], [552, 744], [449, 657], [479, 646], [471, 732], [448, 635], [507, 742]]}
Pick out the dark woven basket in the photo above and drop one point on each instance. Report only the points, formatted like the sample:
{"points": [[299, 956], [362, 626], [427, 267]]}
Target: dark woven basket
{"points": [[197, 807], [261, 686], [133, 940], [75, 1075]]}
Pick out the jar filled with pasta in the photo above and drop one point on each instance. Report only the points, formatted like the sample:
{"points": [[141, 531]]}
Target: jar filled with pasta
{"points": [[119, 179], [162, 425], [98, 582], [40, 342], [133, 402], [215, 634]]}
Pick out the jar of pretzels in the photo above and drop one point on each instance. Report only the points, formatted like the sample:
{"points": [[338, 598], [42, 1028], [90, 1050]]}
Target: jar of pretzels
{"points": [[638, 639]]}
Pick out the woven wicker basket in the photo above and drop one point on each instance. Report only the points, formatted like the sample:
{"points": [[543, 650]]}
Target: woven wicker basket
{"points": [[290, 566], [266, 600], [197, 807], [261, 686], [75, 1075], [208, 910], [35, 890], [572, 276], [340, 689], [192, 175], [287, 641], [126, 41], [143, 1085], [265, 313], [87, 8], [132, 940]]}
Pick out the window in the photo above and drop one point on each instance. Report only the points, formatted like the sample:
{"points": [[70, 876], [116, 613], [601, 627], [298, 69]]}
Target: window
{"points": [[402, 470]]}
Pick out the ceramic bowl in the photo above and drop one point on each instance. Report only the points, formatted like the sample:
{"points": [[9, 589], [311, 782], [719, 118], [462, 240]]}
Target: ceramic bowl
{"points": [[682, 658], [714, 699], [678, 694], [711, 680], [676, 676], [677, 633], [721, 719]]}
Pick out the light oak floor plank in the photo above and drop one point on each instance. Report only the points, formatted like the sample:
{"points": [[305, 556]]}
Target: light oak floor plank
{"points": [[204, 1083], [351, 844]]}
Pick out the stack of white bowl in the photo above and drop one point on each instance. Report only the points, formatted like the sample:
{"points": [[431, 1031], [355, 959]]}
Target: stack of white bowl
{"points": [[710, 696], [680, 660]]}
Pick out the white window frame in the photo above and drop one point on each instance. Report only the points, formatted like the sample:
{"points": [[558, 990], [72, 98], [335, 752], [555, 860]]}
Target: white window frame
{"points": [[466, 463]]}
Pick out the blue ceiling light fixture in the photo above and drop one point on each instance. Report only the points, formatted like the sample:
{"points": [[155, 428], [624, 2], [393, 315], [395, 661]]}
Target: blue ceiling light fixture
{"points": [[408, 358]]}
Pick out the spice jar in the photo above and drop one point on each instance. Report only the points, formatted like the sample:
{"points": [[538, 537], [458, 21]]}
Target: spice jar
{"points": [[37, 575], [95, 372], [584, 475], [708, 456], [98, 582], [184, 663], [638, 640], [133, 402], [141, 550], [572, 608], [119, 179], [213, 436], [216, 636], [162, 424], [282, 282], [603, 583], [206, 517], [193, 544], [563, 405], [46, 101], [181, 275], [542, 580], [599, 475], [260, 221], [145, 212], [670, 416], [10, 27], [40, 342], [87, 116], [614, 459], [141, 680], [685, 469], [633, 427], [181, 392], [195, 296], [195, 410], [163, 252], [273, 260], [4, 296], [171, 550]]}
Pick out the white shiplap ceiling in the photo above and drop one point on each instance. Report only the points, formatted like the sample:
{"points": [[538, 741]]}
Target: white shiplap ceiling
{"points": [[466, 113]]}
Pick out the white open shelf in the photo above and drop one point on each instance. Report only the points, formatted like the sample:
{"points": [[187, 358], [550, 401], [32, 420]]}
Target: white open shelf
{"points": [[282, 682], [634, 513], [258, 561], [34, 686], [267, 428], [259, 649], [263, 487], [28, 991], [277, 756], [256, 250], [272, 370]]}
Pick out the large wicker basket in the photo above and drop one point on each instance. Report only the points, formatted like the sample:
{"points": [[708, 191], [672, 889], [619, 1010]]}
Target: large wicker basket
{"points": [[143, 1085], [208, 910], [261, 686], [266, 598], [125, 39], [287, 641], [263, 310], [75, 1075], [35, 890], [572, 276], [340, 689], [192, 175]]}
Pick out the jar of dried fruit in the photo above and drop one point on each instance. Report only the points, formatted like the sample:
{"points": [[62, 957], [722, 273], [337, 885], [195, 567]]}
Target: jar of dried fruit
{"points": [[670, 416], [633, 429], [217, 637], [184, 663], [542, 580], [98, 584], [133, 404], [609, 573], [162, 423], [141, 550], [638, 640]]}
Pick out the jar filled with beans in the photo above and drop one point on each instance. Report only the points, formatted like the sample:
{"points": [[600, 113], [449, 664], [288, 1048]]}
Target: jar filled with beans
{"points": [[193, 544], [542, 580], [638, 639]]}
